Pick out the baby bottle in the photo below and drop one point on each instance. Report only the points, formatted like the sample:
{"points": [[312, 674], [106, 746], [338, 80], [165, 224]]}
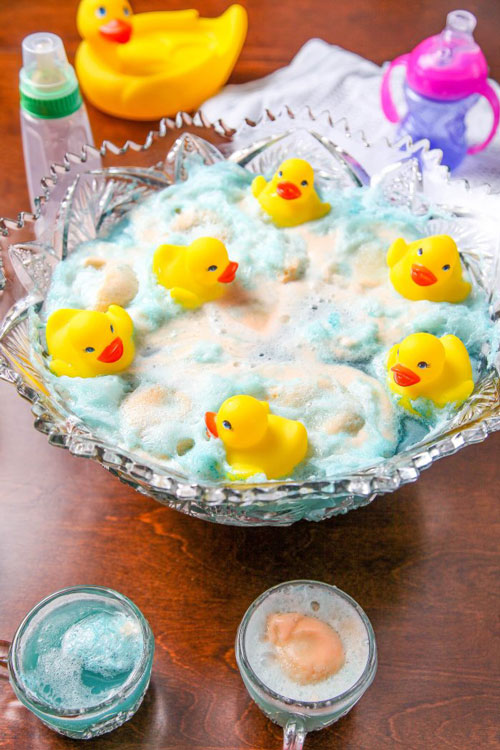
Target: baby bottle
{"points": [[445, 76], [53, 116]]}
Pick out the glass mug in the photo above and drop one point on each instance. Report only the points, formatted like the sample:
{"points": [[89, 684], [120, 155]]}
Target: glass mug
{"points": [[81, 660], [297, 717]]}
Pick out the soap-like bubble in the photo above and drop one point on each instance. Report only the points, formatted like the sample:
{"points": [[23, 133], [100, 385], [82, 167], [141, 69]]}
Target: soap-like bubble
{"points": [[107, 644]]}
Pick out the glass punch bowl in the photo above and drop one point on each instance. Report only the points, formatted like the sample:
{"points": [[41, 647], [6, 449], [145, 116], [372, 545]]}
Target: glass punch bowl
{"points": [[87, 194]]}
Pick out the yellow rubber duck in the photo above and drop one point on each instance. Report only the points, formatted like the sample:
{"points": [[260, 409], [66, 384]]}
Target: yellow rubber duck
{"points": [[429, 268], [289, 197], [195, 273], [86, 343], [147, 66], [423, 365], [256, 441]]}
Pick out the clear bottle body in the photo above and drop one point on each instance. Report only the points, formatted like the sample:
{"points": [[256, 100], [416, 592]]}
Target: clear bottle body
{"points": [[441, 122], [45, 141]]}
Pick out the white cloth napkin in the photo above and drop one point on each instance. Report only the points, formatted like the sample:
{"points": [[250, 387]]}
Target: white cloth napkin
{"points": [[324, 76]]}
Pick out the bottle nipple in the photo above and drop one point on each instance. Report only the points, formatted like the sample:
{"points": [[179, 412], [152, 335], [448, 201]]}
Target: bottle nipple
{"points": [[44, 61], [461, 22], [457, 37]]}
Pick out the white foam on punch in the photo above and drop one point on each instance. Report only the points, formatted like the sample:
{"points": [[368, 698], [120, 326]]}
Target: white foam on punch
{"points": [[333, 610], [83, 654]]}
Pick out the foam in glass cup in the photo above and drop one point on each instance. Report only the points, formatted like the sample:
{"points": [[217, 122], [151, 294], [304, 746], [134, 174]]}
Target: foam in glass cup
{"points": [[81, 660], [306, 652]]}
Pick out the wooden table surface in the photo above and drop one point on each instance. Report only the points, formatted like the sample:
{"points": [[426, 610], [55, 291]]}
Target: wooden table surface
{"points": [[423, 562]]}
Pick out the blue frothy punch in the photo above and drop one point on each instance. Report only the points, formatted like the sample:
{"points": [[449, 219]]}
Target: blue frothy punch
{"points": [[81, 660]]}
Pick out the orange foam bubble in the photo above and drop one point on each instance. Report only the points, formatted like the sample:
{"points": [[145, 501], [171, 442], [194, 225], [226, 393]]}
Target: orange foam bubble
{"points": [[309, 650]]}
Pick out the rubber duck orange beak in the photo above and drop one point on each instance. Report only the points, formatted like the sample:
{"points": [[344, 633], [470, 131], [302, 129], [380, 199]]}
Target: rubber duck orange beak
{"points": [[116, 31], [288, 191], [210, 423], [404, 377], [422, 276], [112, 352], [228, 273]]}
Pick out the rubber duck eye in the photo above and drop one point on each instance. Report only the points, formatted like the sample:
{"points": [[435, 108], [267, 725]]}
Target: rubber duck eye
{"points": [[280, 173], [111, 329], [126, 11], [100, 11], [420, 251], [446, 267], [90, 349], [304, 183], [212, 268], [227, 425], [423, 365]]}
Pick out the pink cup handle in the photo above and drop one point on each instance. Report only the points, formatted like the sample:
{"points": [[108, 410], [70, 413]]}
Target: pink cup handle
{"points": [[387, 101], [489, 93]]}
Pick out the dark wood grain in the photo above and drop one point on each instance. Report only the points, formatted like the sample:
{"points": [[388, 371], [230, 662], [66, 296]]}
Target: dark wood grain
{"points": [[423, 562]]}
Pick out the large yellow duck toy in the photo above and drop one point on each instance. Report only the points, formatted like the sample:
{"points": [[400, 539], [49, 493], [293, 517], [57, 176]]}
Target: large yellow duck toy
{"points": [[150, 65], [196, 273], [256, 441], [289, 197], [86, 343], [429, 269], [438, 369]]}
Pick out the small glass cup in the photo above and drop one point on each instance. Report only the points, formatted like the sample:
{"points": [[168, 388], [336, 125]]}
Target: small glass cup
{"points": [[120, 704], [295, 716]]}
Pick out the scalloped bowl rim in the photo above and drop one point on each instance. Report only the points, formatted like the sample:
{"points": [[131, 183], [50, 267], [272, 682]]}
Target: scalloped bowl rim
{"points": [[357, 488]]}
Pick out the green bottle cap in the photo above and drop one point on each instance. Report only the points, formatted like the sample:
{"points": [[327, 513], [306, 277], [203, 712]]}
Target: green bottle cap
{"points": [[47, 82]]}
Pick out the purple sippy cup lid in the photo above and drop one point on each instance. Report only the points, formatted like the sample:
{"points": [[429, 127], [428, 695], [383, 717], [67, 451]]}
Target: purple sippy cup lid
{"points": [[449, 65]]}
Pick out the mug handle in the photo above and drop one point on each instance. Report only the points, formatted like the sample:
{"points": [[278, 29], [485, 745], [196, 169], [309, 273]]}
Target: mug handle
{"points": [[294, 734], [489, 93], [388, 106], [4, 657]]}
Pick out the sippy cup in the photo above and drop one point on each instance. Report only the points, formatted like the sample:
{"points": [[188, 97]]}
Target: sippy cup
{"points": [[445, 76]]}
